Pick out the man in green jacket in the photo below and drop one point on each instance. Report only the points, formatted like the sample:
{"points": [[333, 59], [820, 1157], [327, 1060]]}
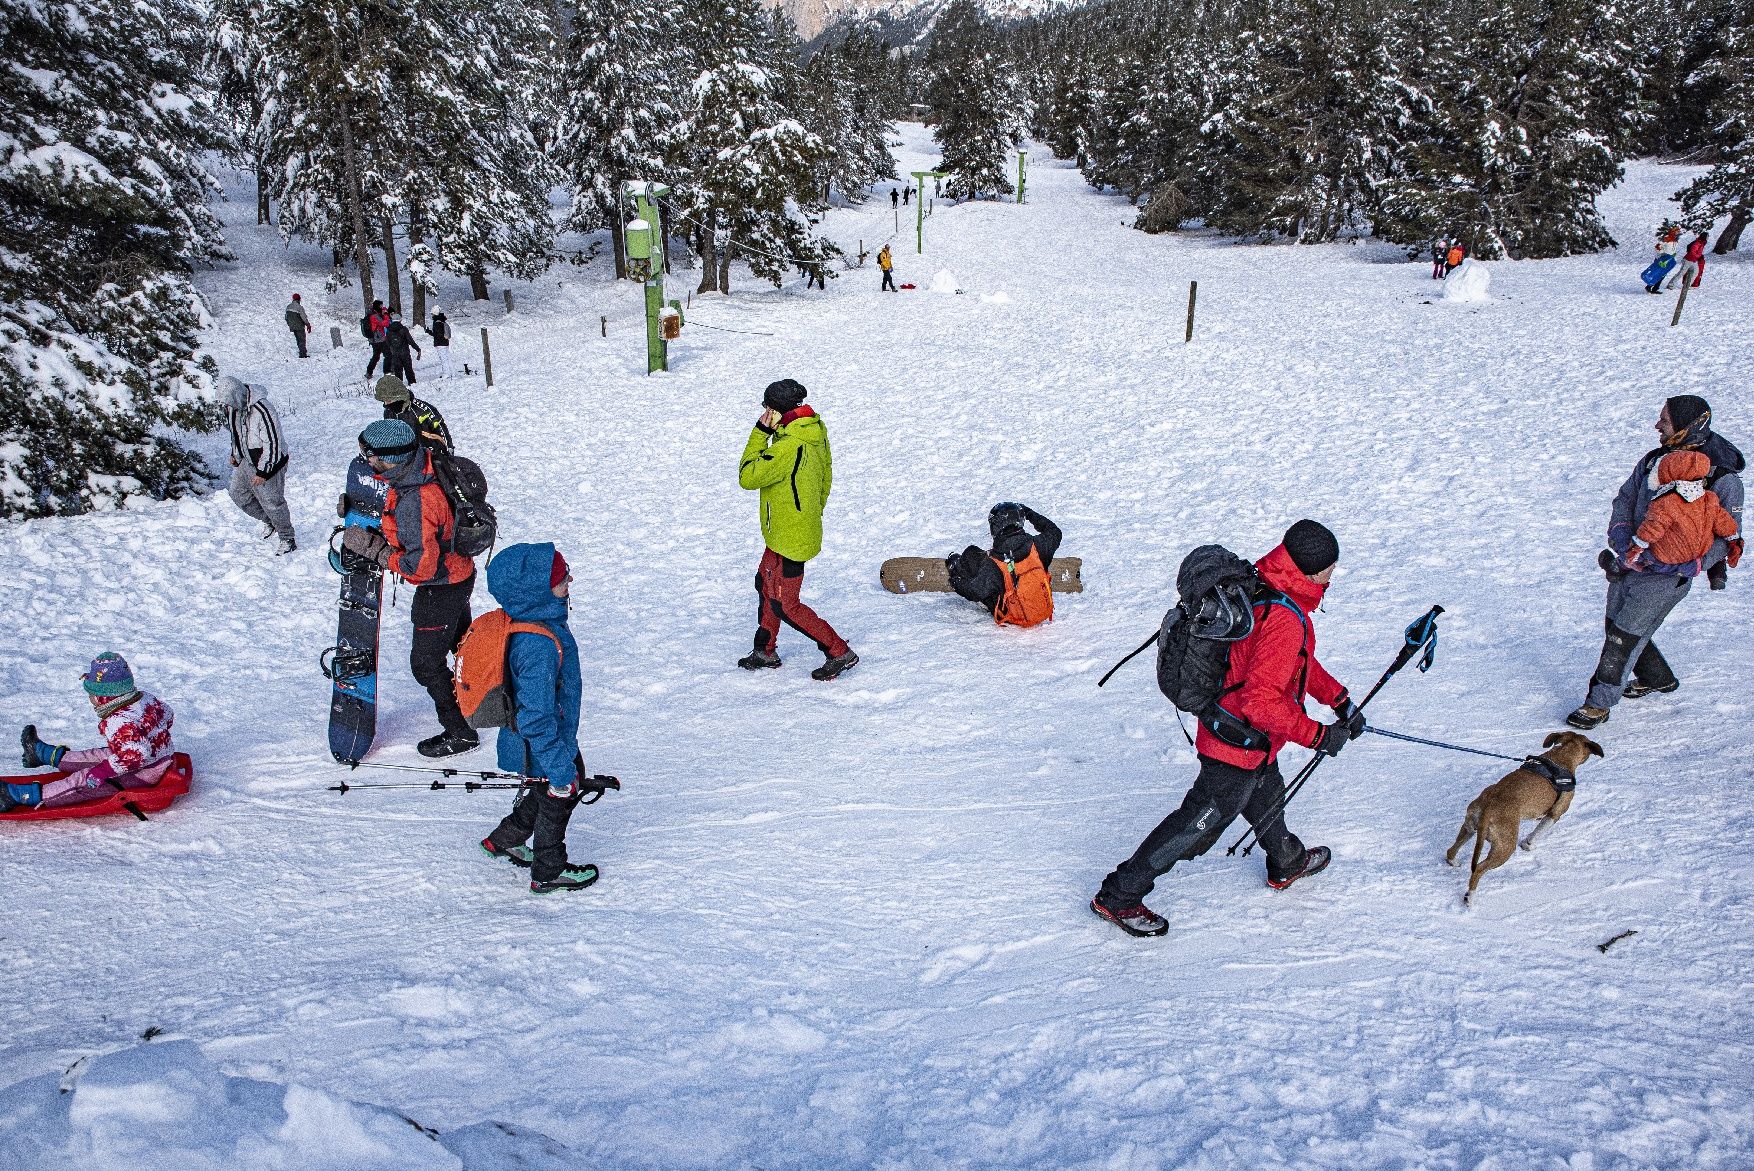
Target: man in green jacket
{"points": [[787, 459]]}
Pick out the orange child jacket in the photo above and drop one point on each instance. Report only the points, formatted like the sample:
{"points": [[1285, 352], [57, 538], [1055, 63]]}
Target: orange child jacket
{"points": [[1677, 530]]}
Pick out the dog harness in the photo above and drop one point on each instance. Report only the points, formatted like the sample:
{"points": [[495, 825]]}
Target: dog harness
{"points": [[1562, 781]]}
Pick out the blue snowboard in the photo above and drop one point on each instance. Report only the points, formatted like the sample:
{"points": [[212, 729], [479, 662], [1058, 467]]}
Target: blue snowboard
{"points": [[1659, 268], [352, 663]]}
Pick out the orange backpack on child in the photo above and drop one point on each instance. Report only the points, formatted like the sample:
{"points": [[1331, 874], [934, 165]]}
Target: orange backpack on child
{"points": [[480, 678], [1028, 599]]}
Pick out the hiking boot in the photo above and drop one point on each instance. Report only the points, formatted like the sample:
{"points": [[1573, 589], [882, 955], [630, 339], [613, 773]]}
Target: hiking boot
{"points": [[1315, 860], [756, 660], [267, 529], [1636, 689], [285, 546], [448, 744], [1587, 717], [1137, 919], [28, 740], [519, 856], [573, 876], [837, 665]]}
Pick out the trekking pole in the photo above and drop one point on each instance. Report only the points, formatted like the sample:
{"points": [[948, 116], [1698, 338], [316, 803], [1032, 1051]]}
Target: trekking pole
{"points": [[1421, 636], [598, 783]]}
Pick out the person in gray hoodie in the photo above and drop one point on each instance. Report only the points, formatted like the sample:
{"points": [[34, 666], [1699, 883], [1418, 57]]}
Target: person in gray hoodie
{"points": [[258, 455]]}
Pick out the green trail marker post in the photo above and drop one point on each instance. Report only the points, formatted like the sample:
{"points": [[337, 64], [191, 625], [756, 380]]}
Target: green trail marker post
{"points": [[920, 178], [645, 252], [1022, 161]]}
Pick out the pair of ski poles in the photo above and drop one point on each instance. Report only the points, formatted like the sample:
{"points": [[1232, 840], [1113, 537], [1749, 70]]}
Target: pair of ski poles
{"points": [[596, 785], [1420, 640]]}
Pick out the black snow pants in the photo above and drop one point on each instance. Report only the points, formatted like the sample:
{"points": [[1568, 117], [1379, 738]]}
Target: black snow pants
{"points": [[1220, 792], [441, 618], [378, 355], [974, 576], [542, 816]]}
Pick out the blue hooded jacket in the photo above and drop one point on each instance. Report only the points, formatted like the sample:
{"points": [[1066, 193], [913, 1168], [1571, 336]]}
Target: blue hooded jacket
{"points": [[546, 687]]}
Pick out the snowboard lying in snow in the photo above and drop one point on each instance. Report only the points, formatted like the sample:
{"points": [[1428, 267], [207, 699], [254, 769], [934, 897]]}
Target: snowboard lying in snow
{"points": [[929, 575], [139, 802]]}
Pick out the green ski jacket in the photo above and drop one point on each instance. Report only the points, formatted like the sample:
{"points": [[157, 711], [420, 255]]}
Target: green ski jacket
{"points": [[793, 470]]}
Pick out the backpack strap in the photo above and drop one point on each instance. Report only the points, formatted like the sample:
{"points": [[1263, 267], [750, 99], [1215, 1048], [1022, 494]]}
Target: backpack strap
{"points": [[510, 688]]}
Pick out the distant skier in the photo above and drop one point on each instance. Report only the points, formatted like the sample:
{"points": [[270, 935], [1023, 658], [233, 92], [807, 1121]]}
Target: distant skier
{"points": [[907, 193], [400, 403], [1439, 259], [1012, 580], [440, 332], [1270, 670], [894, 198], [886, 262], [299, 322], [136, 752], [1642, 590], [398, 340], [414, 544], [787, 459], [258, 453], [375, 326], [532, 582]]}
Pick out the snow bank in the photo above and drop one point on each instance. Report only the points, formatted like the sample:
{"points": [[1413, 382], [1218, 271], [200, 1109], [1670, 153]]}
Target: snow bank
{"points": [[945, 282], [166, 1106], [1469, 281]]}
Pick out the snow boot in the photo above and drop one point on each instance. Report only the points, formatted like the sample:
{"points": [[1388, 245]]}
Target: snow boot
{"points": [[573, 876], [1635, 689], [285, 547], [756, 660], [836, 665], [446, 744], [268, 529], [519, 856], [1137, 919], [1587, 717], [14, 795], [36, 753], [1315, 860]]}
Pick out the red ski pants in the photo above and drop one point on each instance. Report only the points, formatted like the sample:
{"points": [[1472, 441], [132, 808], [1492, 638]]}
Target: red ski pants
{"points": [[777, 583]]}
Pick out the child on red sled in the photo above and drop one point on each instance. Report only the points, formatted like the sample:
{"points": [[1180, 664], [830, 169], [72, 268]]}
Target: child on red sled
{"points": [[136, 753]]}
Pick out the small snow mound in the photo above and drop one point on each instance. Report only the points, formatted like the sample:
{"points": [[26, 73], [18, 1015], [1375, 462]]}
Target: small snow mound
{"points": [[165, 1106], [1469, 281], [945, 282], [995, 299]]}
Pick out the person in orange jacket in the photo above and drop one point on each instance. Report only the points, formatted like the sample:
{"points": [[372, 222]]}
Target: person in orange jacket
{"points": [[1270, 672], [418, 527]]}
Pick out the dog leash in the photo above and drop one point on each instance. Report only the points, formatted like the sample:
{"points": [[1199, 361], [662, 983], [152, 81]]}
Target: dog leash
{"points": [[1440, 744]]}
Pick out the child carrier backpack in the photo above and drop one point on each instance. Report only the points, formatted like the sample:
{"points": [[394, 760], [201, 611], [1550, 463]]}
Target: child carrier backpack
{"points": [[1028, 599], [475, 526], [480, 680]]}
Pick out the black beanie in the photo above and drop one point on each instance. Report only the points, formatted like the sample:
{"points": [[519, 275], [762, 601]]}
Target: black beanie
{"points": [[785, 395], [1312, 547], [1686, 410]]}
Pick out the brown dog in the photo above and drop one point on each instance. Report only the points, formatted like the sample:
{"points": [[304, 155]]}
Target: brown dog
{"points": [[1496, 815]]}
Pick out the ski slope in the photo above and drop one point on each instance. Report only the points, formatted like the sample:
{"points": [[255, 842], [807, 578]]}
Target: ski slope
{"points": [[844, 925]]}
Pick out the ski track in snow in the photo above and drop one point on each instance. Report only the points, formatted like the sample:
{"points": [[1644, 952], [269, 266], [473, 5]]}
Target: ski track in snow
{"points": [[844, 925]]}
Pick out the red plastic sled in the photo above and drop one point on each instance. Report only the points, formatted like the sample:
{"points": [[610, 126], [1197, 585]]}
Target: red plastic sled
{"points": [[138, 802]]}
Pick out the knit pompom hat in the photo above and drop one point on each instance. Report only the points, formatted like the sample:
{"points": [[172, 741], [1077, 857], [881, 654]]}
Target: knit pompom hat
{"points": [[109, 676]]}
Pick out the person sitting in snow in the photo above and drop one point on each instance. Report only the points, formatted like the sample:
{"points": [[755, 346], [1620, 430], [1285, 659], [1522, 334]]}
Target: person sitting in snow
{"points": [[1012, 580], [136, 752]]}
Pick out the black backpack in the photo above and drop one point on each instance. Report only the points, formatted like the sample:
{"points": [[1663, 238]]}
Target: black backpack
{"points": [[464, 484], [1215, 609]]}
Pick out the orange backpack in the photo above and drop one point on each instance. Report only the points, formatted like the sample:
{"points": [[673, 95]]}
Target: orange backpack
{"points": [[1029, 596], [480, 678], [1455, 256]]}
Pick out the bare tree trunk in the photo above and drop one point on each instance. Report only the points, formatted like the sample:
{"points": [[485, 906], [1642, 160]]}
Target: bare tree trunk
{"points": [[618, 238], [709, 267], [356, 204], [415, 279], [725, 268], [1733, 231], [262, 206], [478, 285], [394, 277]]}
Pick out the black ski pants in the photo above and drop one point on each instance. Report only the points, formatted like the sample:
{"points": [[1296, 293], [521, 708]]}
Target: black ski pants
{"points": [[542, 816], [1220, 792], [298, 335], [441, 618], [378, 355], [888, 281]]}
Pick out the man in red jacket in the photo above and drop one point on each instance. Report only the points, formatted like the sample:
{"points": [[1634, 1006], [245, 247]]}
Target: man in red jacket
{"points": [[1269, 674]]}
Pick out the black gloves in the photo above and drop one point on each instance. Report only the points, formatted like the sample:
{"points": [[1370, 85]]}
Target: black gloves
{"points": [[1718, 575], [1333, 738], [1350, 717], [1610, 563]]}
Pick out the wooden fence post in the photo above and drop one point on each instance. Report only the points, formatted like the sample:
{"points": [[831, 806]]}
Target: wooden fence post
{"points": [[1686, 283], [508, 299], [604, 318], [334, 337], [486, 357], [1193, 291]]}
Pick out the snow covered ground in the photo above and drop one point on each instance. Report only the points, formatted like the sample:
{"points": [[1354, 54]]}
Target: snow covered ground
{"points": [[844, 925]]}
